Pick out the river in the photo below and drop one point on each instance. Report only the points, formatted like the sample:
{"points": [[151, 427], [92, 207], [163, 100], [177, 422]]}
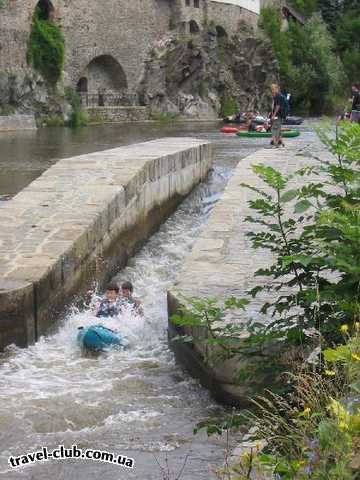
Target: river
{"points": [[138, 403]]}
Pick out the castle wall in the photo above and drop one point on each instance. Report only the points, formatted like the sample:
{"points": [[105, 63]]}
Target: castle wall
{"points": [[231, 17], [125, 30]]}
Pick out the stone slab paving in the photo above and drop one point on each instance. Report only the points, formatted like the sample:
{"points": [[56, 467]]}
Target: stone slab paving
{"points": [[98, 206], [223, 263]]}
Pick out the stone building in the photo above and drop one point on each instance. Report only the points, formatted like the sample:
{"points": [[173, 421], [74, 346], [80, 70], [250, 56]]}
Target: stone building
{"points": [[107, 42]]}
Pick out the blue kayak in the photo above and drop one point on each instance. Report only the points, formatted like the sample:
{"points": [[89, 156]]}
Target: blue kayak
{"points": [[98, 338]]}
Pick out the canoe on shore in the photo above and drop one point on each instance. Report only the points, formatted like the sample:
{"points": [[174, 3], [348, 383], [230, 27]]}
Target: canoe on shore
{"points": [[285, 134]]}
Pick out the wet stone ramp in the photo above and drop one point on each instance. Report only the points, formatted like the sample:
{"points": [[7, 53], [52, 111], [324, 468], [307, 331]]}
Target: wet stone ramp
{"points": [[81, 220]]}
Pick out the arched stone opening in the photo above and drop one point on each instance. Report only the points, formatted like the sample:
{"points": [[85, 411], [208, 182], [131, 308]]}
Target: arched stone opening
{"points": [[221, 32], [104, 73], [82, 85], [45, 10], [194, 27]]}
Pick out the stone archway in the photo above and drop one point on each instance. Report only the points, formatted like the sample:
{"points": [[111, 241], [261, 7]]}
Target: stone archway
{"points": [[45, 10], [104, 73], [221, 32], [82, 85], [194, 27]]}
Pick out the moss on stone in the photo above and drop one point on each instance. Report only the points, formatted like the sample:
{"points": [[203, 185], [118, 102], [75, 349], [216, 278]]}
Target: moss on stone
{"points": [[46, 48]]}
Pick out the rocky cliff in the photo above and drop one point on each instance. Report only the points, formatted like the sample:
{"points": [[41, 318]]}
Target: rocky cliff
{"points": [[204, 75], [28, 93]]}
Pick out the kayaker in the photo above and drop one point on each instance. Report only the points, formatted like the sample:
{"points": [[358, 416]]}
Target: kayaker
{"points": [[110, 305], [127, 298]]}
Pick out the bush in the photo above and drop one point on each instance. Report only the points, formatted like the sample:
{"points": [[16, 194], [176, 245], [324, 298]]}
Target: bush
{"points": [[306, 7], [79, 118], [46, 49], [229, 106], [312, 431], [308, 65], [347, 37]]}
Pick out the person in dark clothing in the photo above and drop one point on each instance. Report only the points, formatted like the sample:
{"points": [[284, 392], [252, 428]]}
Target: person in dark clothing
{"points": [[276, 116], [355, 107], [109, 306]]}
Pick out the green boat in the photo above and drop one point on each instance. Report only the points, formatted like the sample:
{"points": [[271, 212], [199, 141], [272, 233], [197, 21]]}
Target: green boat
{"points": [[285, 134]]}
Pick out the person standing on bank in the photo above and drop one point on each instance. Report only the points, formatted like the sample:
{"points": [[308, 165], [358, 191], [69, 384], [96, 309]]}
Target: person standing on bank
{"points": [[276, 116]]}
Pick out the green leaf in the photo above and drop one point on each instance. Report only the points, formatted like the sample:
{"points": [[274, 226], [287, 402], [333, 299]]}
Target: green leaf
{"points": [[289, 195], [304, 260], [339, 354], [302, 206]]}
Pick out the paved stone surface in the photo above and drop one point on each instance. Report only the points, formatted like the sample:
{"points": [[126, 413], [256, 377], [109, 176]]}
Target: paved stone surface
{"points": [[223, 262], [96, 206]]}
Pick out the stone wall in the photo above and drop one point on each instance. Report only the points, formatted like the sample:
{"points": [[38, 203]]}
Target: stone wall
{"points": [[17, 122], [81, 220], [123, 30], [222, 264], [232, 18], [118, 114]]}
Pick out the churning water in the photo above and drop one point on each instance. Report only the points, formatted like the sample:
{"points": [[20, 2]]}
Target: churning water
{"points": [[137, 403]]}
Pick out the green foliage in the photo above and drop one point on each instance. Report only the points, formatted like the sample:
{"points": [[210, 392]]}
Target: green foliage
{"points": [[54, 121], [347, 37], [164, 118], [229, 106], [210, 314], [316, 74], [328, 242], [308, 65], [306, 7], [78, 117], [313, 231], [270, 22], [46, 49]]}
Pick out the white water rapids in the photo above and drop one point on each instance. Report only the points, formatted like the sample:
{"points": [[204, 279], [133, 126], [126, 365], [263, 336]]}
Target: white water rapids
{"points": [[139, 402]]}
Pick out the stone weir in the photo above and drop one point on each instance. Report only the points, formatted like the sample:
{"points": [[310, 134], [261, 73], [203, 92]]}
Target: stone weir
{"points": [[222, 264], [81, 220]]}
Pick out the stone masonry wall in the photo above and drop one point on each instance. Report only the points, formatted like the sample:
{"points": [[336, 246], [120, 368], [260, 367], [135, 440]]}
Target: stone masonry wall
{"points": [[81, 220], [118, 114], [125, 30], [17, 122]]}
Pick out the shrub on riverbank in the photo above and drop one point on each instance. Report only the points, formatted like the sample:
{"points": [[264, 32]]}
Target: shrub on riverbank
{"points": [[313, 231], [78, 118], [314, 432]]}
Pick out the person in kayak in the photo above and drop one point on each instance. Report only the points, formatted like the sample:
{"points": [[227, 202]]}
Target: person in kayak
{"points": [[127, 298], [110, 305]]}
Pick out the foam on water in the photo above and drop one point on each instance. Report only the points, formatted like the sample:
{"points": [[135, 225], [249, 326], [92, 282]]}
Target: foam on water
{"points": [[50, 392]]}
